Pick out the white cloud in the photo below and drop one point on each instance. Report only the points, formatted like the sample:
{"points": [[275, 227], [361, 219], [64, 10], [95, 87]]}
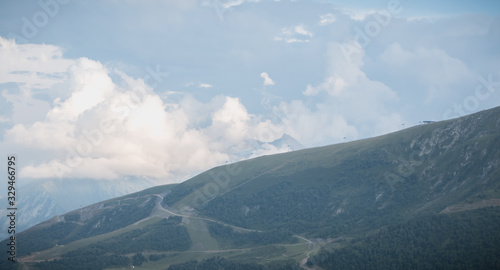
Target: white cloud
{"points": [[395, 55], [442, 73], [106, 128], [142, 137], [315, 126], [42, 135], [327, 19], [267, 79], [198, 84], [333, 85], [168, 93], [205, 85], [4, 119], [301, 30], [234, 3], [354, 106], [221, 6], [233, 118], [295, 34], [33, 69], [296, 40], [26, 109], [90, 84], [356, 14], [345, 78], [183, 134], [33, 66]]}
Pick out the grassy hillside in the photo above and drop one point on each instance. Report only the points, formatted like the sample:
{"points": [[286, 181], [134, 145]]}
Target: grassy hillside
{"points": [[354, 187], [465, 240]]}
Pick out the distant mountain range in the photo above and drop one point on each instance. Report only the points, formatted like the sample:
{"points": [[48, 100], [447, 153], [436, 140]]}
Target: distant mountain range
{"points": [[425, 197], [42, 199]]}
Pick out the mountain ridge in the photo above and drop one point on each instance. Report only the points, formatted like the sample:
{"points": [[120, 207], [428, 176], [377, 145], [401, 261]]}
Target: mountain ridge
{"points": [[293, 203]]}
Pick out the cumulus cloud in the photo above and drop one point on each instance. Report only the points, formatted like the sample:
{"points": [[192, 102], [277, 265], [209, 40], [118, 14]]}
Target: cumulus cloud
{"points": [[267, 79], [345, 78], [110, 125], [317, 125], [123, 127], [433, 67], [233, 118], [126, 133], [353, 105], [90, 85]]}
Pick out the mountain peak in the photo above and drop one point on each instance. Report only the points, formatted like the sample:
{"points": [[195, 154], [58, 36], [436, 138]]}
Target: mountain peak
{"points": [[287, 141]]}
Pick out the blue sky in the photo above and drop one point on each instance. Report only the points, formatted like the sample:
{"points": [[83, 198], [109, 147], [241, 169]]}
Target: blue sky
{"points": [[182, 81], [429, 7]]}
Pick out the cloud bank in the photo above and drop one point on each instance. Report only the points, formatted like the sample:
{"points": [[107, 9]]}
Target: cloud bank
{"points": [[100, 117], [105, 128]]}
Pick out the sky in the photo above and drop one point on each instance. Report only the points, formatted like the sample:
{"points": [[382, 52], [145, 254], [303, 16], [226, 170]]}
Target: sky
{"points": [[163, 88]]}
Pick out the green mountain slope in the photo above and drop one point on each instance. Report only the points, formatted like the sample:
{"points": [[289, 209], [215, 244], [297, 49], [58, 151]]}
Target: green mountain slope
{"points": [[278, 211], [353, 187], [452, 241]]}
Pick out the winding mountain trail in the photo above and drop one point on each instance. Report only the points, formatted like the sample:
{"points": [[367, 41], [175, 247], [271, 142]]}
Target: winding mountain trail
{"points": [[312, 246], [160, 207], [309, 242], [159, 211]]}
